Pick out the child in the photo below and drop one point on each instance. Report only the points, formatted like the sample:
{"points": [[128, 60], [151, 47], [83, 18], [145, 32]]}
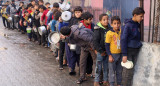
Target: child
{"points": [[114, 51], [27, 23], [77, 16], [100, 29], [86, 23], [73, 56], [131, 43], [36, 23], [4, 15]]}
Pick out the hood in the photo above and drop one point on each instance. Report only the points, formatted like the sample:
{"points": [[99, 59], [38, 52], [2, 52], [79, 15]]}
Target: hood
{"points": [[100, 25], [130, 21]]}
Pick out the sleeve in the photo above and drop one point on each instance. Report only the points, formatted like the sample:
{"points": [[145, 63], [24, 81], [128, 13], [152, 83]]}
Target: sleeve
{"points": [[108, 41], [43, 16], [96, 40], [60, 26], [49, 18], [124, 40], [108, 48]]}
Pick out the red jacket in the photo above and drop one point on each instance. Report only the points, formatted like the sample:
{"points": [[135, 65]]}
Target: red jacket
{"points": [[44, 16]]}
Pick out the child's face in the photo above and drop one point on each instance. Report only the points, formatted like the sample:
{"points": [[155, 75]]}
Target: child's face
{"points": [[116, 25], [29, 8], [139, 18], [47, 6], [88, 21], [36, 7], [21, 4], [104, 21], [33, 10], [27, 14], [40, 9], [60, 19], [33, 2], [78, 14], [40, 3]]}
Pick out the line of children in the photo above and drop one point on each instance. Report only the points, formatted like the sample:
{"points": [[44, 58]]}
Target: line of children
{"points": [[98, 46]]}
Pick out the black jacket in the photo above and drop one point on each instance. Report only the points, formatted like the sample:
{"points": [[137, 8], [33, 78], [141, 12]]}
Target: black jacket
{"points": [[99, 37], [74, 21]]}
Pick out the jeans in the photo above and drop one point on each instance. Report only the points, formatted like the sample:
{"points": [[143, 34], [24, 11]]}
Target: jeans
{"points": [[61, 52], [4, 21], [115, 70], [101, 65], [127, 74]]}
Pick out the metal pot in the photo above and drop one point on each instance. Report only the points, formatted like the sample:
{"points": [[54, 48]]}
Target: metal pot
{"points": [[9, 19], [16, 17], [42, 30], [73, 47], [66, 16], [54, 37]]}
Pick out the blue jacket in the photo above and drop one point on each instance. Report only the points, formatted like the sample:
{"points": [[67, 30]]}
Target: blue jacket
{"points": [[49, 18], [62, 24], [53, 28], [130, 36]]}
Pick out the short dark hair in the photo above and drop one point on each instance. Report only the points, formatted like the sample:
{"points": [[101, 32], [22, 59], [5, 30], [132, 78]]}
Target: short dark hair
{"points": [[57, 15], [78, 8], [25, 11], [22, 2], [41, 7], [87, 15], [65, 30], [115, 18], [56, 5], [32, 0], [29, 5], [41, 1], [101, 16], [47, 3], [138, 11]]}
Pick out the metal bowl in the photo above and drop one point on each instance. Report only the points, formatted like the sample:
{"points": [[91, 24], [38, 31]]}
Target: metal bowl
{"points": [[54, 37], [9, 19], [42, 30]]}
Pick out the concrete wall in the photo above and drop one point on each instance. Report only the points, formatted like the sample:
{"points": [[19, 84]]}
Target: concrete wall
{"points": [[148, 66]]}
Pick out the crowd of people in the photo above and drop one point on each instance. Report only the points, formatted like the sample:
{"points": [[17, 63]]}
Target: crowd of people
{"points": [[100, 48]]}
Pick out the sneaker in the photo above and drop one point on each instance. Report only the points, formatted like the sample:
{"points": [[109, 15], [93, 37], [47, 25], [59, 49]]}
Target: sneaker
{"points": [[60, 68], [72, 73]]}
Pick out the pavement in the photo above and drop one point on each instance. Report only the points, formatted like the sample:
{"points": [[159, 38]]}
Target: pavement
{"points": [[25, 63]]}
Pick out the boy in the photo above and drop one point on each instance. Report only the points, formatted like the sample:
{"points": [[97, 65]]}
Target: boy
{"points": [[27, 23], [4, 15], [131, 43], [114, 51], [50, 13], [73, 56], [100, 29], [77, 16]]}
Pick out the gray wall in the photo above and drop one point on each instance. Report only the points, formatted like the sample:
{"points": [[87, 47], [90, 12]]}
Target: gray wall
{"points": [[147, 71]]}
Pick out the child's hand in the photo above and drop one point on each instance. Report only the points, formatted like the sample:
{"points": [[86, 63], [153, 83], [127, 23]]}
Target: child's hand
{"points": [[103, 54], [95, 52], [111, 58], [124, 59], [62, 36]]}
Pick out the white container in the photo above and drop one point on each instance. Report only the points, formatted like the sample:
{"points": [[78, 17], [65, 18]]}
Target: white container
{"points": [[42, 30], [128, 64], [73, 47]]}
